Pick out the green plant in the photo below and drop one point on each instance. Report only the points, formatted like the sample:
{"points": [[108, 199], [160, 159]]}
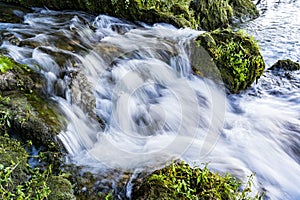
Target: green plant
{"points": [[234, 57], [4, 99], [186, 182], [5, 64], [35, 188], [5, 117]]}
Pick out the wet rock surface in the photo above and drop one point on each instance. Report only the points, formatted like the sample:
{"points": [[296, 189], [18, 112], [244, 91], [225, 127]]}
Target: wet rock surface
{"points": [[287, 64]]}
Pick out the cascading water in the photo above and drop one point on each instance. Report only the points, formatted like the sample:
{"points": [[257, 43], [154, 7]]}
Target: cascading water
{"points": [[137, 79]]}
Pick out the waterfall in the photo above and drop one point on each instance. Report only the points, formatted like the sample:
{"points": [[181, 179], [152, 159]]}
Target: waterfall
{"points": [[137, 79]]}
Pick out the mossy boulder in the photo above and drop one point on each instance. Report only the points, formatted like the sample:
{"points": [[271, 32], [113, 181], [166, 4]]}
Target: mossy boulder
{"points": [[180, 181], [287, 65], [203, 14], [24, 112], [236, 56]]}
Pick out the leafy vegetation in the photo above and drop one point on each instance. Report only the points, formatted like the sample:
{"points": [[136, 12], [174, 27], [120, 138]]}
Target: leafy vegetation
{"points": [[35, 188], [180, 181], [5, 64], [19, 181], [236, 55]]}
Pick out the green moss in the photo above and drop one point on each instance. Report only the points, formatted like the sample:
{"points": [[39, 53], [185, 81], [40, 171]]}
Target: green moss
{"points": [[5, 64], [13, 154], [33, 118], [61, 189], [212, 14], [236, 55], [180, 181], [243, 8], [17, 179], [175, 12]]}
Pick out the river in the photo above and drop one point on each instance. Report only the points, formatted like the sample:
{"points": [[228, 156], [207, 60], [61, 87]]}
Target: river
{"points": [[137, 79]]}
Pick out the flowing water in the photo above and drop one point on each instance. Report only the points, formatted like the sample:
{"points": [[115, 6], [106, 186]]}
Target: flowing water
{"points": [[137, 79]]}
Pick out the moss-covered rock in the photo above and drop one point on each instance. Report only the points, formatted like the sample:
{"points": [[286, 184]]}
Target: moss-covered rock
{"points": [[24, 112], [212, 14], [180, 181], [287, 65], [236, 56], [243, 9], [208, 15], [215, 13], [61, 189]]}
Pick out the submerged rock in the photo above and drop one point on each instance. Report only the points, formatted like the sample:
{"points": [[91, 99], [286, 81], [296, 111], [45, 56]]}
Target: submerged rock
{"points": [[207, 15], [285, 69], [287, 64], [236, 56]]}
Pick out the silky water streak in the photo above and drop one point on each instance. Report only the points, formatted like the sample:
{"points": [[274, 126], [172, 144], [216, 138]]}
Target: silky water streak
{"points": [[154, 108]]}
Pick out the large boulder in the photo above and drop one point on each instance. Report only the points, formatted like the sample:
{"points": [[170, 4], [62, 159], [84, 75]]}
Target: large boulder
{"points": [[236, 56], [203, 14]]}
